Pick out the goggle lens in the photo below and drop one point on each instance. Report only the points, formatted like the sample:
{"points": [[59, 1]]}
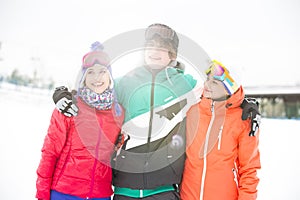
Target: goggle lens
{"points": [[217, 70], [93, 58]]}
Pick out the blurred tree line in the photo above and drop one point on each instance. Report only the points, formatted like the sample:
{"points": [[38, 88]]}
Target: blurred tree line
{"points": [[24, 80], [19, 79], [280, 107]]}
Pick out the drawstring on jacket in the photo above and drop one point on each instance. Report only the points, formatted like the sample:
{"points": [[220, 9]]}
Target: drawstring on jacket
{"points": [[167, 75], [173, 65]]}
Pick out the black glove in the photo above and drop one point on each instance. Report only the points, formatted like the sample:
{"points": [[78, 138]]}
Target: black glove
{"points": [[65, 101], [119, 141], [250, 108]]}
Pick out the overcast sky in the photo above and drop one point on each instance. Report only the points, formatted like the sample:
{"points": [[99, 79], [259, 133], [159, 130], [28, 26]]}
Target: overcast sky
{"points": [[260, 37]]}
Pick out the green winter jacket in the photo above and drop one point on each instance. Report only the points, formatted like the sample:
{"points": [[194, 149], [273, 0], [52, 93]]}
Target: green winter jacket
{"points": [[134, 89], [154, 152]]}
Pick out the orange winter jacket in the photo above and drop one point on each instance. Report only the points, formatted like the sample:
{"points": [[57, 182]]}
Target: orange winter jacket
{"points": [[222, 159]]}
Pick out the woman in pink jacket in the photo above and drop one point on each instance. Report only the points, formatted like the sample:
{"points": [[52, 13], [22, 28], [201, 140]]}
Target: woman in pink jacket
{"points": [[222, 159], [76, 154]]}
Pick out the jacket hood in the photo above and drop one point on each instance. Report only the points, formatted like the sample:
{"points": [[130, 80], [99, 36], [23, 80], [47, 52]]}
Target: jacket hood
{"points": [[236, 99]]}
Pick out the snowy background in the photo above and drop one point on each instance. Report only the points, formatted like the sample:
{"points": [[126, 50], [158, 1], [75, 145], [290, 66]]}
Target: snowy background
{"points": [[25, 115], [261, 37]]}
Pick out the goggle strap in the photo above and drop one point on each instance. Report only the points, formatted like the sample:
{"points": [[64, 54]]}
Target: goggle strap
{"points": [[230, 86]]}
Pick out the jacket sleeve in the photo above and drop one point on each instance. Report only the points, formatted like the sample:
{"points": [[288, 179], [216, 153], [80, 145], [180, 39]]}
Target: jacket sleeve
{"points": [[249, 163], [52, 147]]}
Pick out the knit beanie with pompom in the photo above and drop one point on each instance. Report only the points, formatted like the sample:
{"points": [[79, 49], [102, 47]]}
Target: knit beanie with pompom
{"points": [[96, 55]]}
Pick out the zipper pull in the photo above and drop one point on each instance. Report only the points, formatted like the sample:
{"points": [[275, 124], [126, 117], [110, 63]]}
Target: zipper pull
{"points": [[212, 106]]}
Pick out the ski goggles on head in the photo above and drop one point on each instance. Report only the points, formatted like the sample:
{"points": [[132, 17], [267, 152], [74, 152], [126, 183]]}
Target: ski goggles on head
{"points": [[219, 72], [161, 30], [95, 57]]}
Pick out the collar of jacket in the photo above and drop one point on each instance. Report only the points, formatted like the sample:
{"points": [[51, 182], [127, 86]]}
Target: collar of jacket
{"points": [[232, 102]]}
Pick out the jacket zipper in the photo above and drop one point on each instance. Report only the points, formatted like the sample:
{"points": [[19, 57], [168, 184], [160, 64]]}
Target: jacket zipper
{"points": [[151, 112], [205, 150], [95, 163], [220, 137], [150, 128]]}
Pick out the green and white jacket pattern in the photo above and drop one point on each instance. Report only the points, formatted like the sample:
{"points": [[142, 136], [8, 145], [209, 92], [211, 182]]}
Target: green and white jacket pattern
{"points": [[155, 108]]}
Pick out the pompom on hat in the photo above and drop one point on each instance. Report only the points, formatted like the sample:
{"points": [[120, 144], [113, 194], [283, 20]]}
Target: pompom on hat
{"points": [[96, 55], [221, 73]]}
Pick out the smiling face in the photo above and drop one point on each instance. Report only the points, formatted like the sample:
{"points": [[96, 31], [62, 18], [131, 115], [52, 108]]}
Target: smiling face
{"points": [[214, 89], [157, 55], [97, 78]]}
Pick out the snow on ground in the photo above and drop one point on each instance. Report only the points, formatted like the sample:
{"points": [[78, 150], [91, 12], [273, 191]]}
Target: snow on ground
{"points": [[25, 115]]}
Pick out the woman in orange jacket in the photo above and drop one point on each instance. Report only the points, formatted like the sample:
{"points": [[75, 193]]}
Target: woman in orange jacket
{"points": [[222, 159]]}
